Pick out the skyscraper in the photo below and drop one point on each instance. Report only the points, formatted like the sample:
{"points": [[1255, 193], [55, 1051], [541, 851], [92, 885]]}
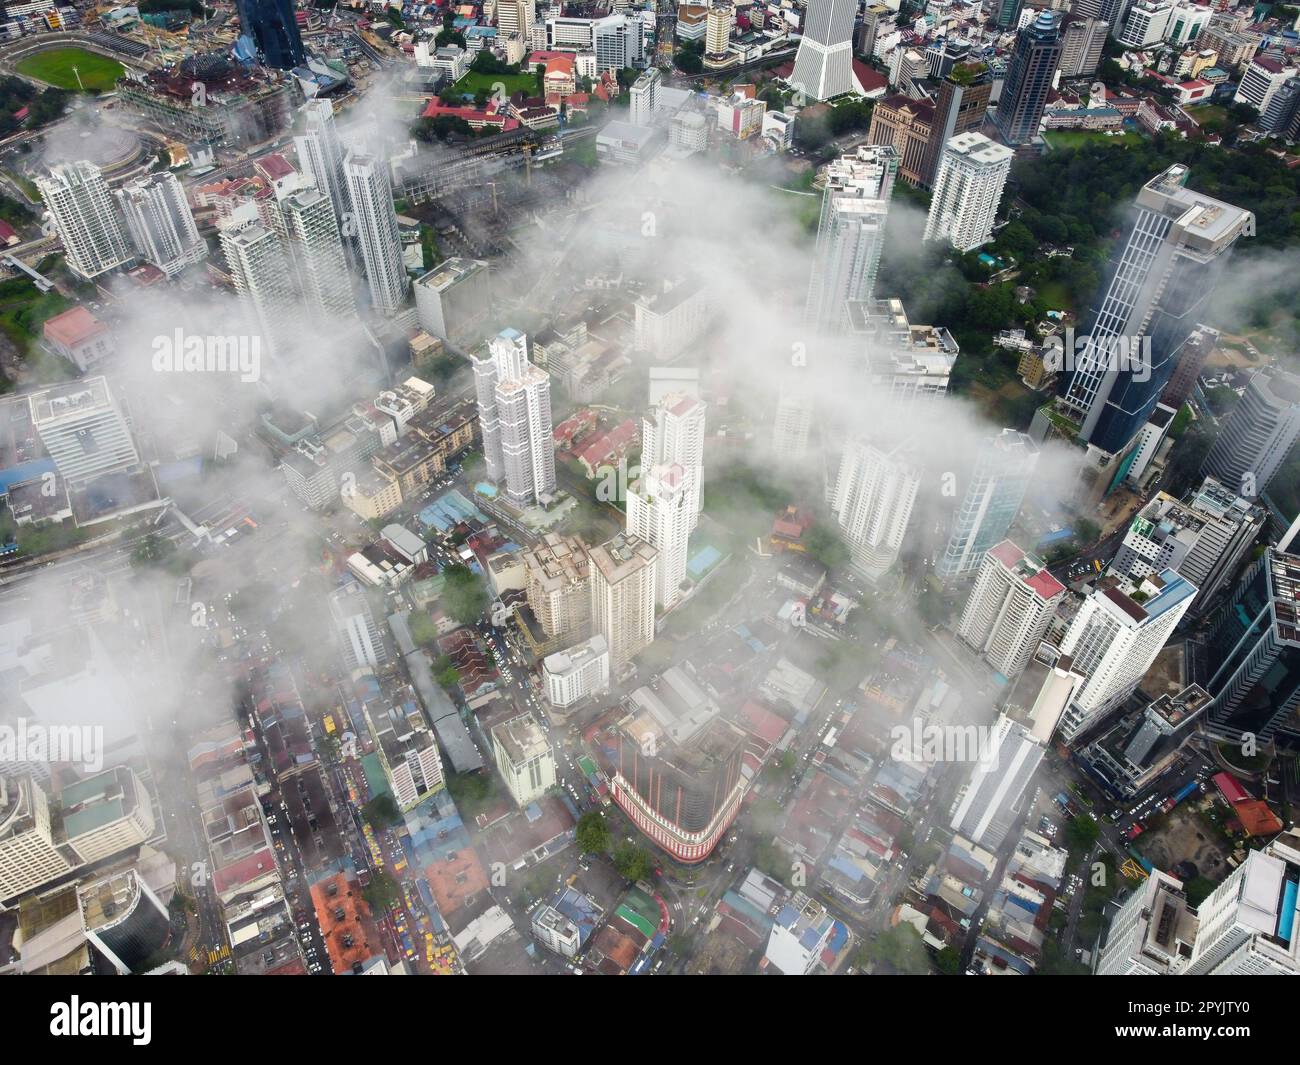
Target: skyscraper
{"points": [[1113, 640], [1082, 42], [358, 636], [624, 578], [317, 254], [375, 223], [872, 500], [514, 404], [1001, 476], [967, 190], [1249, 925], [960, 107], [1010, 607], [659, 512], [1161, 283], [84, 214], [673, 433], [272, 26], [262, 278], [1029, 79], [823, 66], [161, 223], [1008, 13], [320, 153], [1250, 662], [1153, 933], [850, 233], [1258, 433]]}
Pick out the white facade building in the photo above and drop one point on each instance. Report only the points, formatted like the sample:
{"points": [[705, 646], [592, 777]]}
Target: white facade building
{"points": [[972, 174], [82, 209], [1010, 608], [673, 434], [161, 223], [524, 758], [375, 223], [624, 579], [514, 404], [576, 674], [659, 512], [873, 499], [317, 254]]}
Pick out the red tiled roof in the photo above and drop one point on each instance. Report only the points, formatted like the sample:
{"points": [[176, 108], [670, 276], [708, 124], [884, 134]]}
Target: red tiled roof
{"points": [[74, 326], [275, 166], [1007, 553]]}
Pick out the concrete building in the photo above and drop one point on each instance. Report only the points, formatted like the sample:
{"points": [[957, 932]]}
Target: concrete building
{"points": [[557, 575], [1113, 640], [374, 225], [80, 337], [160, 222], [124, 919], [718, 24], [316, 251], [1003, 469], [960, 106], [1263, 77], [524, 758], [1082, 42], [1249, 924], [850, 233], [673, 434], [1205, 538], [454, 301], [320, 155], [873, 498], [671, 319], [514, 404], [641, 107], [408, 752], [990, 804], [800, 933], [578, 673], [624, 580], [85, 217], [82, 429], [967, 190], [659, 512], [1154, 932], [359, 638], [263, 279], [1009, 609], [1258, 434]]}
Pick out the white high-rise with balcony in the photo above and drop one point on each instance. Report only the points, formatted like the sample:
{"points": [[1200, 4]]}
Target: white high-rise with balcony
{"points": [[375, 223], [972, 174], [514, 405], [255, 256], [161, 223], [1010, 608], [317, 252], [872, 500], [850, 234], [1114, 639], [673, 434], [320, 154], [658, 511], [82, 209]]}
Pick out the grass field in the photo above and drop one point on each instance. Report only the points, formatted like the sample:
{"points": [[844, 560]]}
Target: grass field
{"points": [[1072, 138], [474, 83], [55, 67]]}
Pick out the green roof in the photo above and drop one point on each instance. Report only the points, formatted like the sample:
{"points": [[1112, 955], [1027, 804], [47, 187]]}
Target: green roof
{"points": [[92, 817]]}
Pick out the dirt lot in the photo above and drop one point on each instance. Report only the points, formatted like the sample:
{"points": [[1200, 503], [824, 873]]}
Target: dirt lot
{"points": [[1185, 838]]}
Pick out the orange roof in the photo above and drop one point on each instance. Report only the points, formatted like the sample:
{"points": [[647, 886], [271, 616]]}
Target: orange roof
{"points": [[559, 65], [73, 327], [1256, 818], [345, 922]]}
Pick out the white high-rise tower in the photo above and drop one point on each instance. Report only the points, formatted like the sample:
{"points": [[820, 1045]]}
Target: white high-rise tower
{"points": [[375, 221], [972, 173], [658, 511], [320, 153], [161, 222], [514, 405], [673, 434], [850, 234], [262, 278], [1010, 608], [317, 253], [873, 500], [84, 215], [823, 66]]}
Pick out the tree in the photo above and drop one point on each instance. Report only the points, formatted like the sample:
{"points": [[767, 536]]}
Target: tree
{"points": [[425, 633], [824, 545], [381, 811], [463, 594], [153, 550], [632, 862], [901, 949], [382, 891], [949, 961], [449, 677], [1081, 832], [593, 833], [1087, 531]]}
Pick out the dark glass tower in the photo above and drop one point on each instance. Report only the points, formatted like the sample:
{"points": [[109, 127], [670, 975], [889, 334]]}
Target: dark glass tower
{"points": [[273, 27], [1029, 79]]}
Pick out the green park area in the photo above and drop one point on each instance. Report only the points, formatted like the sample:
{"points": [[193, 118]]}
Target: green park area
{"points": [[72, 68], [475, 82]]}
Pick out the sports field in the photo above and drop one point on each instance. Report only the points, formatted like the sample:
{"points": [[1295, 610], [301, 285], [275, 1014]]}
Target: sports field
{"points": [[55, 67]]}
